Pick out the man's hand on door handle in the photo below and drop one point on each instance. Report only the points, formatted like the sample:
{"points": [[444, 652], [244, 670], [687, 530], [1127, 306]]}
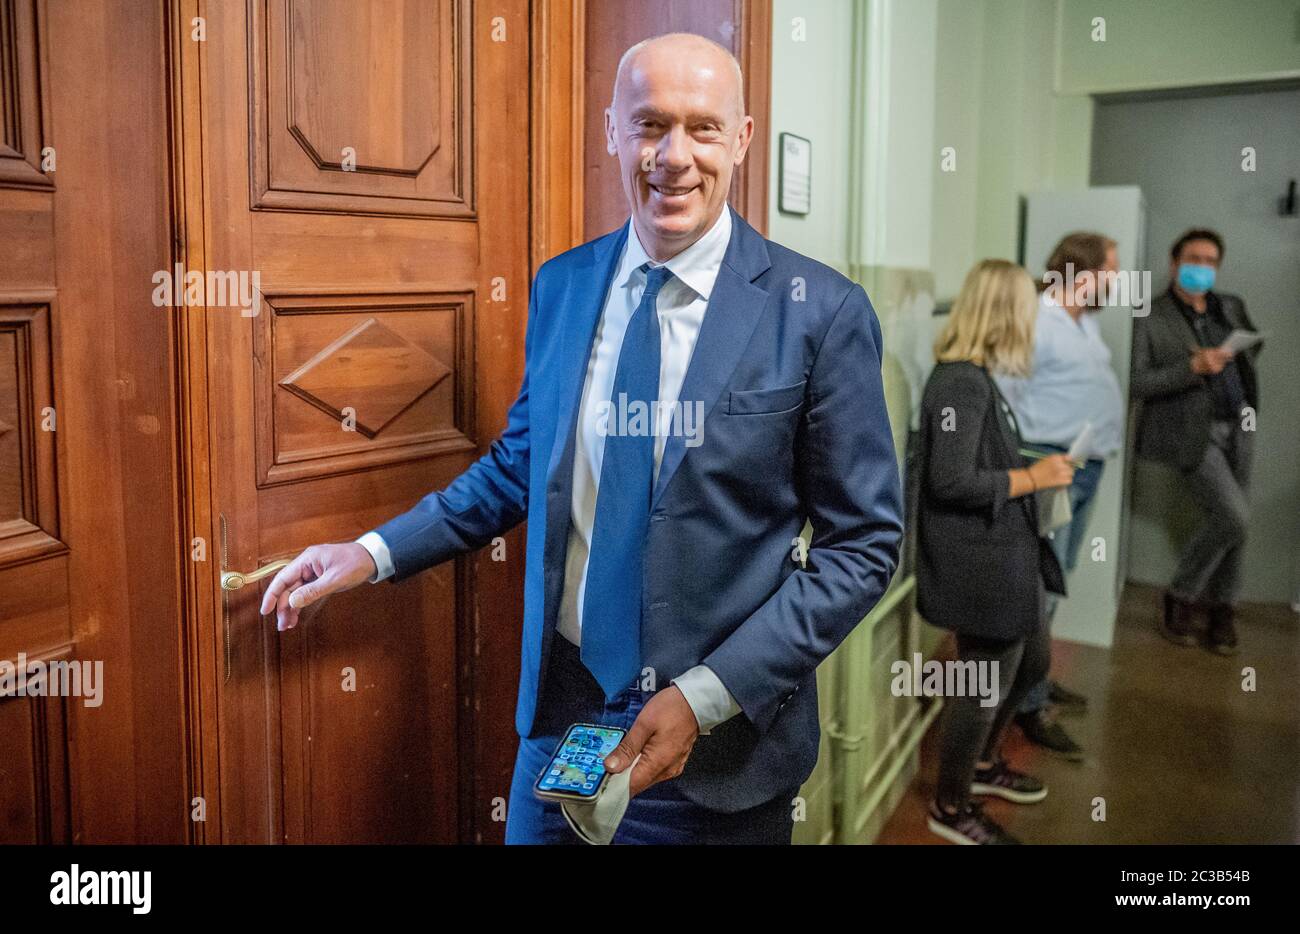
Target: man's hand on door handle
{"points": [[319, 571]]}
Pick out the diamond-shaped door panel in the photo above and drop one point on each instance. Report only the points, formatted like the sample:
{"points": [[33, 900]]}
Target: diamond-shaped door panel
{"points": [[371, 372], [352, 380]]}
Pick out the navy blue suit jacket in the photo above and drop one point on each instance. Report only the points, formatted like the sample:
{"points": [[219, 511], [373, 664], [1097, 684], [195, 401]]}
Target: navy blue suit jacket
{"points": [[787, 366]]}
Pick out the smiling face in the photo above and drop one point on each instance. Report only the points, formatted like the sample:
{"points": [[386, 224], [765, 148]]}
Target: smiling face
{"points": [[679, 130]]}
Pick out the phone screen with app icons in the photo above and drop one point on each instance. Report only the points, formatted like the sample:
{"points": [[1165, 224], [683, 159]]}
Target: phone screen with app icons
{"points": [[577, 769]]}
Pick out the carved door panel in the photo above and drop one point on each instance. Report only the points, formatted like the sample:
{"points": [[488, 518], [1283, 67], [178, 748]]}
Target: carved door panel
{"points": [[365, 171]]}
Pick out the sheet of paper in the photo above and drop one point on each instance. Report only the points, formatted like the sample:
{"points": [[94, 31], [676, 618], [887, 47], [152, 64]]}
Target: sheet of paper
{"points": [[1080, 448], [1053, 509], [1239, 340]]}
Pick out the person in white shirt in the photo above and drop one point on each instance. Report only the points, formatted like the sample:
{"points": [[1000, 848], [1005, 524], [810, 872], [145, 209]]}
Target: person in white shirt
{"points": [[1072, 387]]}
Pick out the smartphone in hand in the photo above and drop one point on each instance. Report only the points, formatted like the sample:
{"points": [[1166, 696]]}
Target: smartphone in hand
{"points": [[576, 771]]}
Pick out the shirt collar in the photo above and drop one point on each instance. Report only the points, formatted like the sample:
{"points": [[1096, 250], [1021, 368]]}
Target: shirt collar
{"points": [[1049, 306], [697, 265], [1211, 303]]}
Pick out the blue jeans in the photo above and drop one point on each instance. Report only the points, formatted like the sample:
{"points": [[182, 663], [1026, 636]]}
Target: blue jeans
{"points": [[661, 814], [1066, 543]]}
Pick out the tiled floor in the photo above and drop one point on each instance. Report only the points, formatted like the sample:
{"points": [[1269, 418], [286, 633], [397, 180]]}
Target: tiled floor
{"points": [[1176, 747]]}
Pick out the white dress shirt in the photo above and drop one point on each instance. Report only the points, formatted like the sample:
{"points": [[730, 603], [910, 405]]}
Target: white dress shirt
{"points": [[1072, 383], [681, 306]]}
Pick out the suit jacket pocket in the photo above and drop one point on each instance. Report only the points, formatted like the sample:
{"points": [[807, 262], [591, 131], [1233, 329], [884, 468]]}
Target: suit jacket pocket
{"points": [[765, 401]]}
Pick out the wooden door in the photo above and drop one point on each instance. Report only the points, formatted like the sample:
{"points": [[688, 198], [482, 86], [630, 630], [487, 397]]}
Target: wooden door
{"points": [[90, 553], [365, 167]]}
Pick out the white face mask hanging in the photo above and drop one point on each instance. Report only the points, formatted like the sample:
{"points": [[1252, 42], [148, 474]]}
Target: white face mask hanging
{"points": [[596, 823]]}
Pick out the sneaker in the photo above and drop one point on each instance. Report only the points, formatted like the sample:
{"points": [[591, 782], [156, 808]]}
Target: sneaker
{"points": [[1069, 701], [1006, 783], [1223, 633], [1042, 730], [969, 827], [1176, 625]]}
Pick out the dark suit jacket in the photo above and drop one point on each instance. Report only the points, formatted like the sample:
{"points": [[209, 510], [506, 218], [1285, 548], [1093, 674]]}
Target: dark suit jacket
{"points": [[787, 366], [980, 560], [1176, 406]]}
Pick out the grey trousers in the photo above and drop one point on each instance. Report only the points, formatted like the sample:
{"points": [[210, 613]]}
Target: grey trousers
{"points": [[1210, 567]]}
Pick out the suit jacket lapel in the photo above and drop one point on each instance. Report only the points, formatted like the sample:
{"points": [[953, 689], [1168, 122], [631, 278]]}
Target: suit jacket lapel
{"points": [[582, 315], [1181, 330], [735, 305], [1009, 437], [584, 302]]}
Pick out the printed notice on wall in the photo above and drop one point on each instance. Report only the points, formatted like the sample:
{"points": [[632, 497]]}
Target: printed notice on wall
{"points": [[796, 175]]}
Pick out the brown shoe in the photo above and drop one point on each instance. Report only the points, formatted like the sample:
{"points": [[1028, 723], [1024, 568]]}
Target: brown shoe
{"points": [[1177, 623], [1223, 634]]}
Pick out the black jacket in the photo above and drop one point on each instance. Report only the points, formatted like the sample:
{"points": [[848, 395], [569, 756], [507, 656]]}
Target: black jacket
{"points": [[1176, 405], [980, 559]]}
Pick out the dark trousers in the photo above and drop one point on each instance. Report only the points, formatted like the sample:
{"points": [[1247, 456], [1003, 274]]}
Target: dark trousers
{"points": [[1210, 566], [972, 732], [660, 814]]}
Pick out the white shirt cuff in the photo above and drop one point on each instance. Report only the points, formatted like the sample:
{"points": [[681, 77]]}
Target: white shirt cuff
{"points": [[378, 548], [708, 697]]}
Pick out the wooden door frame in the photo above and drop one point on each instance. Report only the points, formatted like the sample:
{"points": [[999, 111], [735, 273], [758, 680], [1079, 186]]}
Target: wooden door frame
{"points": [[555, 133], [200, 583], [756, 63]]}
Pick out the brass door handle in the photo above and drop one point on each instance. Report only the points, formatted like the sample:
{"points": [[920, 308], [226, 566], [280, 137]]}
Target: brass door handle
{"points": [[233, 580]]}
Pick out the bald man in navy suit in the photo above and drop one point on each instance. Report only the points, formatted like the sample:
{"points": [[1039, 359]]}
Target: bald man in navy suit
{"points": [[693, 394]]}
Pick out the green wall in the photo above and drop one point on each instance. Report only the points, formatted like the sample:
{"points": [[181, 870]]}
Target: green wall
{"points": [[1153, 44]]}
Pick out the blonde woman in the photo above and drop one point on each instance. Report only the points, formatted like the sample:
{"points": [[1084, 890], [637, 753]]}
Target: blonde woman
{"points": [[982, 569]]}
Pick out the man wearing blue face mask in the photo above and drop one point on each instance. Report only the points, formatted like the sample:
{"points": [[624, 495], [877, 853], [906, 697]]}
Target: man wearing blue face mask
{"points": [[1198, 404]]}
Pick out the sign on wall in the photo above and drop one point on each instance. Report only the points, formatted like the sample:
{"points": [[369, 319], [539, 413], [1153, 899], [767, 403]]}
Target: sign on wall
{"points": [[795, 175]]}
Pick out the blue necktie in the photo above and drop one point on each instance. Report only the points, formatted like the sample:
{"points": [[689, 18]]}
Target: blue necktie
{"points": [[611, 609]]}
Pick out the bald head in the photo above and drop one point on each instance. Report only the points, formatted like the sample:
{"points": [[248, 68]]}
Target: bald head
{"points": [[678, 126], [701, 53]]}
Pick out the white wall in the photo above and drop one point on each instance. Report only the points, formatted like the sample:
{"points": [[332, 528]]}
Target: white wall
{"points": [[959, 89], [901, 135], [811, 59], [1014, 134]]}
